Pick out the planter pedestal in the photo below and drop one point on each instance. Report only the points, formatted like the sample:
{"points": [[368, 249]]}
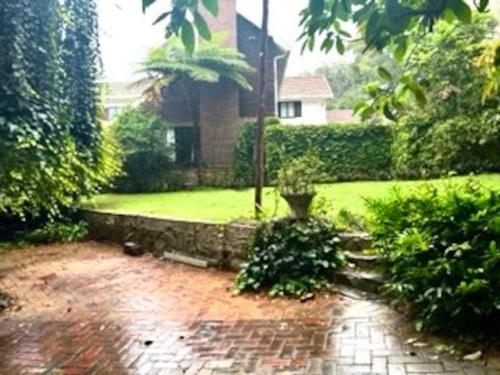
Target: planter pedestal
{"points": [[299, 204]]}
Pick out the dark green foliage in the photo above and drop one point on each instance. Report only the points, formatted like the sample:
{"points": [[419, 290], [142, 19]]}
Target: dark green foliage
{"points": [[81, 62], [44, 170], [346, 152], [424, 147], [455, 131], [147, 156], [291, 257], [442, 249], [56, 232]]}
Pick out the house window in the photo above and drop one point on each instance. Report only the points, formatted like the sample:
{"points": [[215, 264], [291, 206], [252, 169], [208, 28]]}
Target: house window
{"points": [[290, 109], [184, 146]]}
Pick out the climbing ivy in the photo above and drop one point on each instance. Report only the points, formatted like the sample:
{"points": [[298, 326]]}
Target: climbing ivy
{"points": [[44, 141]]}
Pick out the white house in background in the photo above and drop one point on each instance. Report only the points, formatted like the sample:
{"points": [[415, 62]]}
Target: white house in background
{"points": [[303, 100], [117, 96]]}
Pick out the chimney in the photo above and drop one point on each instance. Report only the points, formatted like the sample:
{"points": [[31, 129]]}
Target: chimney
{"points": [[224, 23]]}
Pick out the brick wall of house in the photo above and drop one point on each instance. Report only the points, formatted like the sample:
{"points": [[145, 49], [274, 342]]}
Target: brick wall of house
{"points": [[220, 102], [249, 36], [175, 106], [224, 104]]}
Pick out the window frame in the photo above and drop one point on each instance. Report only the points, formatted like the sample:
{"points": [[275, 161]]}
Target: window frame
{"points": [[290, 109]]}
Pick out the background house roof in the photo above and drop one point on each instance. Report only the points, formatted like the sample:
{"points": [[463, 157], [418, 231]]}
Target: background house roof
{"points": [[122, 92], [301, 87], [341, 116]]}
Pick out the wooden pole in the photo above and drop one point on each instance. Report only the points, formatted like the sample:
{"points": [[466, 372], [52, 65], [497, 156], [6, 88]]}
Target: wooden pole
{"points": [[259, 145]]}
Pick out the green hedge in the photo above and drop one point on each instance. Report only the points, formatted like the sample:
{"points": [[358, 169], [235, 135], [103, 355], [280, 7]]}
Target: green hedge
{"points": [[348, 152]]}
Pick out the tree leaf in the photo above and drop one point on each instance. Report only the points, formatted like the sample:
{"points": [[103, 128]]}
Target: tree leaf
{"points": [[388, 113], [400, 51], [483, 5], [202, 26], [384, 73], [212, 6], [460, 9], [316, 7], [161, 17], [146, 4], [340, 46], [187, 36], [418, 93], [372, 28]]}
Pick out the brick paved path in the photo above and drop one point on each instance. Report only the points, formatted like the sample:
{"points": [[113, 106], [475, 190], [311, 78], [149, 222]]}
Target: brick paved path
{"points": [[88, 309]]}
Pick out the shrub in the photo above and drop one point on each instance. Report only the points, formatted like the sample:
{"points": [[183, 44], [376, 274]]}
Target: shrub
{"points": [[426, 147], [57, 232], [347, 152], [147, 157], [291, 257], [442, 249], [297, 176]]}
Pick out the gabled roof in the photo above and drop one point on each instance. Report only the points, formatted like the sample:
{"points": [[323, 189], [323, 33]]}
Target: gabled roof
{"points": [[244, 19], [303, 87]]}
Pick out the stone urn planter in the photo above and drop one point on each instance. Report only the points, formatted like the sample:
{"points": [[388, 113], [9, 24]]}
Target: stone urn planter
{"points": [[299, 203]]}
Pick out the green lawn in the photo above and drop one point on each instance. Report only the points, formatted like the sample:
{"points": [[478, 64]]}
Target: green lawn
{"points": [[223, 205]]}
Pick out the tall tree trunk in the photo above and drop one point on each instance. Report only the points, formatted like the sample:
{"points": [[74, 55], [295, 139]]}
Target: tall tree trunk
{"points": [[259, 146]]}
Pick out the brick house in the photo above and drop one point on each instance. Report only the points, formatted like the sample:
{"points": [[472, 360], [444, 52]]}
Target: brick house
{"points": [[224, 106]]}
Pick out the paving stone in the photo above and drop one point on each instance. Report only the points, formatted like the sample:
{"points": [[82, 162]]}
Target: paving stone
{"points": [[89, 309], [424, 367]]}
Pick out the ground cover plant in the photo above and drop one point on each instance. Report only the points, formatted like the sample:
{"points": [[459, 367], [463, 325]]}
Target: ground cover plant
{"points": [[442, 249], [291, 257], [224, 205]]}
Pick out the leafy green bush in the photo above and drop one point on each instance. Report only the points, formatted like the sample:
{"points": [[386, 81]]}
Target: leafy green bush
{"points": [[57, 232], [147, 156], [442, 249], [297, 176], [426, 147], [291, 257], [347, 152], [455, 131]]}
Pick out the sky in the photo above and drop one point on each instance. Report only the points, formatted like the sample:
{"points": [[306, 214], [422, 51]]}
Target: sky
{"points": [[127, 34]]}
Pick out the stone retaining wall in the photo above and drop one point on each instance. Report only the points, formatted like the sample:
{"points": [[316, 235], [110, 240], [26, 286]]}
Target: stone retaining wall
{"points": [[222, 245]]}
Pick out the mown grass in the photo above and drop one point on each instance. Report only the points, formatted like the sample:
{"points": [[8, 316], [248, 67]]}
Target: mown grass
{"points": [[224, 205]]}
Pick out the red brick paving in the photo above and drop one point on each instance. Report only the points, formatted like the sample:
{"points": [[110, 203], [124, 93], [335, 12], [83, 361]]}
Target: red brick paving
{"points": [[88, 309]]}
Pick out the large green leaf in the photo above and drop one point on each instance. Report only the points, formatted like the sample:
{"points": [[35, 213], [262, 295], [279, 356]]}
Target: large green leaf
{"points": [[212, 6], [460, 9], [202, 26], [187, 36]]}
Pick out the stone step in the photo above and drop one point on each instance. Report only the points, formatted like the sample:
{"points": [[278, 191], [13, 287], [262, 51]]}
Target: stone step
{"points": [[361, 280], [355, 241], [352, 293], [363, 261]]}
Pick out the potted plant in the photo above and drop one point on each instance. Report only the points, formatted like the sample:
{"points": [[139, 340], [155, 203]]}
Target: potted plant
{"points": [[296, 183]]}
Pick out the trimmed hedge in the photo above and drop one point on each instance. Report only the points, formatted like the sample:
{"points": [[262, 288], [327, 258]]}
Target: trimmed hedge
{"points": [[347, 152]]}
